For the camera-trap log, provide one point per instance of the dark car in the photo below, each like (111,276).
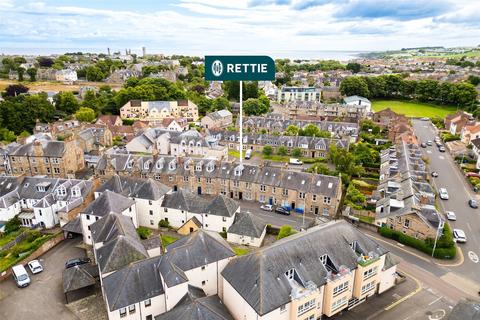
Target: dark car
(282,210)
(423,145)
(76,262)
(441,149)
(473,203)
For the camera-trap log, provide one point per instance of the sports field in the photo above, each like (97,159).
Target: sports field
(413,109)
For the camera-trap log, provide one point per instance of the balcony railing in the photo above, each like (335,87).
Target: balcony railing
(367,260)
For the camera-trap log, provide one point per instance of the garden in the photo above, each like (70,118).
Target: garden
(414,109)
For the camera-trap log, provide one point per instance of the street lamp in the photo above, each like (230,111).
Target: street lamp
(441,224)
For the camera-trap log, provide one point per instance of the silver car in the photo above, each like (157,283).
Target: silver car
(459,236)
(451,215)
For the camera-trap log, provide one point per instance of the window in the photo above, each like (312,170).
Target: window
(55,160)
(151,212)
(340,288)
(150,202)
(88,217)
(314,197)
(40,212)
(283,308)
(76,192)
(323,259)
(208,180)
(203,282)
(236,183)
(170,178)
(56,170)
(185,178)
(285,192)
(263,188)
(151,222)
(339,303)
(123,312)
(203,268)
(148,303)
(370,273)
(367,287)
(301,195)
(325,211)
(327,200)
(131,309)
(406,223)
(165,209)
(130,209)
(307,306)
(49,171)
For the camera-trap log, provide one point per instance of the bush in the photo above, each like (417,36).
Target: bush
(223,234)
(314,160)
(144,232)
(32,235)
(12,225)
(127,122)
(442,251)
(296,152)
(450,137)
(282,151)
(285,231)
(163,224)
(267,150)
(272,230)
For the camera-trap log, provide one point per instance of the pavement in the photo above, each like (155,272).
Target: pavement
(43,298)
(451,178)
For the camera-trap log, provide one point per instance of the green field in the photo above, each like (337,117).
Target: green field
(413,109)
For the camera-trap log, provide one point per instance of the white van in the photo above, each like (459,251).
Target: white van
(248,154)
(20,276)
(295,161)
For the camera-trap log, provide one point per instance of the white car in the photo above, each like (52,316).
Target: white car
(443,194)
(267,207)
(451,215)
(295,161)
(35,266)
(459,235)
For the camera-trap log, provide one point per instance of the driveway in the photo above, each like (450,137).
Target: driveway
(43,298)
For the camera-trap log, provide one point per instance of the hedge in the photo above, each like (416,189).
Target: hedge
(445,246)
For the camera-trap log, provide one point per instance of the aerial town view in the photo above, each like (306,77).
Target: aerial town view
(239,160)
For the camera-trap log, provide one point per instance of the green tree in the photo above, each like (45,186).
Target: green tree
(65,101)
(7,135)
(285,231)
(21,72)
(254,107)
(32,73)
(344,161)
(312,130)
(93,73)
(267,150)
(320,168)
(85,114)
(354,86)
(296,152)
(220,103)
(14,90)
(354,197)
(354,67)
(282,151)
(292,130)
(475,80)
(45,62)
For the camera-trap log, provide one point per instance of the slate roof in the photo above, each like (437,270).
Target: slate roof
(465,309)
(50,149)
(74,226)
(197,308)
(79,277)
(136,282)
(259,277)
(222,205)
(188,201)
(8,184)
(112,226)
(108,202)
(120,252)
(247,224)
(135,187)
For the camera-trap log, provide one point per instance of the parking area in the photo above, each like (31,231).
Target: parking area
(43,298)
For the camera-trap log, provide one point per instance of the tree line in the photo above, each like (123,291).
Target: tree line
(397,87)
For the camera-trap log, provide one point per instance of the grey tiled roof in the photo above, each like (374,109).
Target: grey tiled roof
(112,226)
(259,277)
(108,202)
(74,226)
(119,252)
(79,277)
(247,224)
(50,149)
(135,187)
(188,201)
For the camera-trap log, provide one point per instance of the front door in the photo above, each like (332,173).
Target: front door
(240,196)
(293,205)
(199,190)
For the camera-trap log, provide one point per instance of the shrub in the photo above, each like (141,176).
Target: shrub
(223,234)
(267,150)
(282,151)
(144,232)
(296,152)
(127,122)
(12,225)
(285,231)
(272,230)
(32,235)
(163,224)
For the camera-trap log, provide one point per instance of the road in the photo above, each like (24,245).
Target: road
(451,178)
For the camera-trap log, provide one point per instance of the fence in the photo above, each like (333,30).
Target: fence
(19,238)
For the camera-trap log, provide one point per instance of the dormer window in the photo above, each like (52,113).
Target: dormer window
(323,259)
(238,171)
(76,192)
(61,191)
(199,144)
(130,164)
(353,245)
(190,144)
(210,167)
(146,165)
(172,165)
(183,143)
(160,163)
(198,167)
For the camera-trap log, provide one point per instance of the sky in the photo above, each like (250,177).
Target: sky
(199,27)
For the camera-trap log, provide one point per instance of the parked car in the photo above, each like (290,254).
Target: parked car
(434,174)
(282,210)
(267,207)
(451,215)
(248,154)
(295,161)
(425,119)
(76,262)
(438,143)
(459,236)
(437,139)
(35,266)
(20,276)
(441,149)
(473,203)
(472,174)
(423,145)
(443,194)
(429,143)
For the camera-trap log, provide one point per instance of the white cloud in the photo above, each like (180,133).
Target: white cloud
(217,26)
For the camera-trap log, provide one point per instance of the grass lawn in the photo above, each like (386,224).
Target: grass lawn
(239,251)
(413,109)
(9,237)
(366,219)
(166,240)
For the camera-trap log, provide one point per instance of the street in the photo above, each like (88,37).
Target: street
(460,192)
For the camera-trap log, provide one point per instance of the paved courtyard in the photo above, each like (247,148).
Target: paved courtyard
(43,298)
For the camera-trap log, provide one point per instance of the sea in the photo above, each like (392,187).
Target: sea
(277,54)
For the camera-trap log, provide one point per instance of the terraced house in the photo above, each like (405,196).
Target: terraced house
(311,147)
(156,111)
(56,159)
(319,272)
(301,191)
(406,200)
